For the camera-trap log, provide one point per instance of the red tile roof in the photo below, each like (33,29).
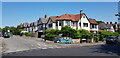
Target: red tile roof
(53,18)
(26,23)
(70,17)
(93,21)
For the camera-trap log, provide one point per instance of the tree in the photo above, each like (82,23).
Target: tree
(52,33)
(13,30)
(68,31)
(85,34)
(0,29)
(105,34)
(100,22)
(5,29)
(118,30)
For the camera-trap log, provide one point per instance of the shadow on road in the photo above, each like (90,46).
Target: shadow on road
(108,49)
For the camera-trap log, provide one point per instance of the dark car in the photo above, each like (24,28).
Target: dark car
(1,34)
(112,40)
(6,35)
(10,34)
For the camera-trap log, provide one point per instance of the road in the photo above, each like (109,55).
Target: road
(97,50)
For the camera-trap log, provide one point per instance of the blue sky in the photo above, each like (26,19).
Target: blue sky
(60,0)
(14,13)
(0,14)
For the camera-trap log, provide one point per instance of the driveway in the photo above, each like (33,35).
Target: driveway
(16,43)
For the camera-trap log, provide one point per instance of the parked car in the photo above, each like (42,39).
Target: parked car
(10,34)
(66,40)
(6,35)
(1,34)
(112,40)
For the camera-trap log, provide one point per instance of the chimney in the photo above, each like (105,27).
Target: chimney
(110,22)
(107,22)
(46,16)
(115,22)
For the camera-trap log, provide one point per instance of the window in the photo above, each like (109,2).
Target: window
(60,23)
(85,24)
(73,23)
(41,28)
(69,15)
(67,23)
(83,16)
(93,26)
(50,25)
(56,23)
(80,24)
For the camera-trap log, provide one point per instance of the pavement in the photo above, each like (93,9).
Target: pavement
(1,46)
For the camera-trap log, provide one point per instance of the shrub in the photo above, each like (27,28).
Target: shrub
(68,32)
(27,33)
(51,33)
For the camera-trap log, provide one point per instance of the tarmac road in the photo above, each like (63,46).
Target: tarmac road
(96,50)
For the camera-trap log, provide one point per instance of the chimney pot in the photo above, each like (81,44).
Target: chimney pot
(46,16)
(115,22)
(110,22)
(107,22)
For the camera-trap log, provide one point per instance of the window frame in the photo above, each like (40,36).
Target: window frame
(85,25)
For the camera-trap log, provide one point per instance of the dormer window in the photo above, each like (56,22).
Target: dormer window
(69,15)
(83,16)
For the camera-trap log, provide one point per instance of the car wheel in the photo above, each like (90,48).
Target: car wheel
(107,42)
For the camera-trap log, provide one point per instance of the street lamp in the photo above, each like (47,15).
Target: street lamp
(80,13)
(80,25)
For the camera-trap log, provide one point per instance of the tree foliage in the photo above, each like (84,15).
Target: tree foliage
(52,33)
(68,31)
(13,30)
(100,22)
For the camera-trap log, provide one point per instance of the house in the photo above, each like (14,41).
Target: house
(116,26)
(106,27)
(42,22)
(93,25)
(78,21)
(25,26)
(31,27)
(51,23)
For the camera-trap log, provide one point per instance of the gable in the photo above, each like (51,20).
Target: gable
(49,21)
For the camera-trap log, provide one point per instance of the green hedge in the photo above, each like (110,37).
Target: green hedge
(51,33)
(67,31)
(28,34)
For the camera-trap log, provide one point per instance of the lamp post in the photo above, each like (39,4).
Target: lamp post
(80,13)
(80,25)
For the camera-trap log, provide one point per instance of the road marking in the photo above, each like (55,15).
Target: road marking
(44,48)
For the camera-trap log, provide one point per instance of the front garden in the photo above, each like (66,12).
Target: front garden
(67,31)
